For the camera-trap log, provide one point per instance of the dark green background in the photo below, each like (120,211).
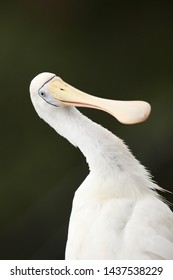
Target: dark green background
(113,49)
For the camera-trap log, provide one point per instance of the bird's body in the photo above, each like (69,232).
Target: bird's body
(116,213)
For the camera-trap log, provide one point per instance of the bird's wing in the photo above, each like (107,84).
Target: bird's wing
(150,230)
(120,229)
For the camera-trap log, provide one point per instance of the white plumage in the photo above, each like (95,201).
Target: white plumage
(116,212)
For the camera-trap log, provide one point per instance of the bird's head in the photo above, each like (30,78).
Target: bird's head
(48,89)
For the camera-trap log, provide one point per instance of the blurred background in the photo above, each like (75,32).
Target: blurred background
(112,49)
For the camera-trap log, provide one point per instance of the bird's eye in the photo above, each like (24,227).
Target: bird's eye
(42,93)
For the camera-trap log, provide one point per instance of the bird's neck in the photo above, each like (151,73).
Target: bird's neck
(101,148)
(109,159)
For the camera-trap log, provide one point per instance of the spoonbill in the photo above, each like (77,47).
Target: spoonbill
(117,212)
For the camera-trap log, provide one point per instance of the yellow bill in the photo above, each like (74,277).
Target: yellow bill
(55,91)
(128,112)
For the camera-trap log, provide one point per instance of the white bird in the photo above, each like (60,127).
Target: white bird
(117,212)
